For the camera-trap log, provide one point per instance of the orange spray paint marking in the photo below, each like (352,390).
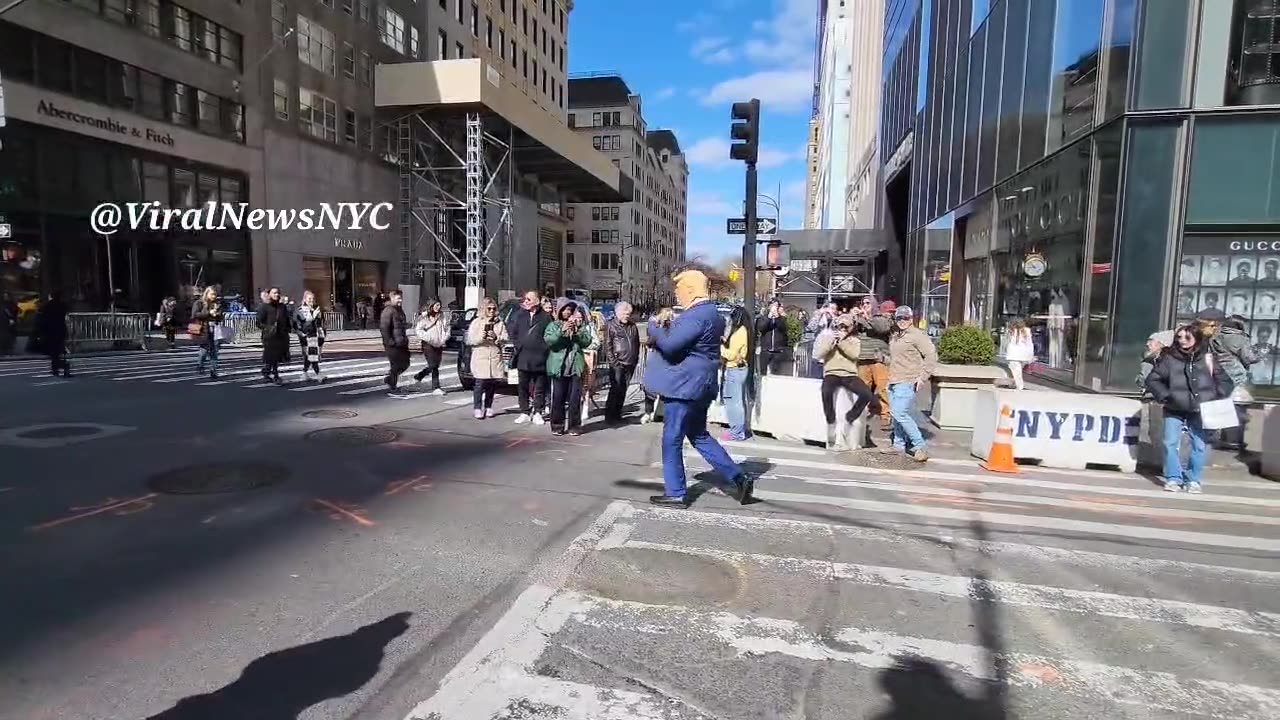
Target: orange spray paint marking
(129,507)
(1040,671)
(417,484)
(522,441)
(338,511)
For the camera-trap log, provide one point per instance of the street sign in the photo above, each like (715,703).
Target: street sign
(738,226)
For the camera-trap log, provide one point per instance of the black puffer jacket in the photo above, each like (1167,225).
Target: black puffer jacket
(1180,381)
(394,327)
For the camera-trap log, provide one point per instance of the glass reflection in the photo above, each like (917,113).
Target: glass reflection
(1118,48)
(1077,34)
(935,274)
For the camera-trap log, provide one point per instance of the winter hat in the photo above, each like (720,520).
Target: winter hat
(888,306)
(903,313)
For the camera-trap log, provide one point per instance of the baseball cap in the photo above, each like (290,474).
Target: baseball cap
(888,306)
(903,313)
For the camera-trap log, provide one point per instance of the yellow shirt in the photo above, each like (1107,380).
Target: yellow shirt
(735,355)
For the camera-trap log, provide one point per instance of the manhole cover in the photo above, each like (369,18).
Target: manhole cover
(354,436)
(211,478)
(329,414)
(62,431)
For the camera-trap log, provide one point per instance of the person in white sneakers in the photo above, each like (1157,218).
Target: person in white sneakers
(432,329)
(486,336)
(527,329)
(308,323)
(1021,350)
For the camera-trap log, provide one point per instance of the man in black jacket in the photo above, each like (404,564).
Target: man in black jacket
(622,350)
(527,328)
(395,338)
(771,333)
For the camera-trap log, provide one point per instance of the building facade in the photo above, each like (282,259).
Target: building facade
(627,250)
(1101,168)
(123,102)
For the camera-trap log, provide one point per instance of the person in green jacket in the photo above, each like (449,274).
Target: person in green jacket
(568,338)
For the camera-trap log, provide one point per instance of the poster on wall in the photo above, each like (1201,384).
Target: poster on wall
(1239,275)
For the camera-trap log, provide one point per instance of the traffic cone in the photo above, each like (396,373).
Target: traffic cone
(1000,458)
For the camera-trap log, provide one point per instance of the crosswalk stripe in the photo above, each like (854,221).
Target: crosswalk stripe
(882,650)
(1037,554)
(1021,482)
(1010,593)
(1086,527)
(382,387)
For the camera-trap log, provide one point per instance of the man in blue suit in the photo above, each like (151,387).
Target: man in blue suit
(683,369)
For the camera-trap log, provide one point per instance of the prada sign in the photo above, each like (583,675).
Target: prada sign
(47,108)
(348,244)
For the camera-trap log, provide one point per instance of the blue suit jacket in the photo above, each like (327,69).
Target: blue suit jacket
(684,361)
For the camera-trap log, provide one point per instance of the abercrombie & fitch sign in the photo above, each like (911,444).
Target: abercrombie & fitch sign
(107,124)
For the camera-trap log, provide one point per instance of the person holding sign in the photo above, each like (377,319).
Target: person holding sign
(1184,379)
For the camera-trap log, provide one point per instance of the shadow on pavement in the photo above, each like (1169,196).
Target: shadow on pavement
(282,684)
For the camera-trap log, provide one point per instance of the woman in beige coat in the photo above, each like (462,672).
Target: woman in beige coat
(486,336)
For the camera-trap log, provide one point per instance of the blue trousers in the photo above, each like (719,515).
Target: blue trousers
(688,419)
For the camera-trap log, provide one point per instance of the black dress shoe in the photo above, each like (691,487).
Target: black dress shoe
(743,489)
(668,501)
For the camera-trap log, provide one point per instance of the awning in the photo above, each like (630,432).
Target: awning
(544,145)
(835,243)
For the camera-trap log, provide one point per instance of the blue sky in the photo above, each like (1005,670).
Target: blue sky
(690,60)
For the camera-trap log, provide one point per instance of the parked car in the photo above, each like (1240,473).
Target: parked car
(458,327)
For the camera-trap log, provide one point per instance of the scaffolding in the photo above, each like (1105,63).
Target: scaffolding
(454,176)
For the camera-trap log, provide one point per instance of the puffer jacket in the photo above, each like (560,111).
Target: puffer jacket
(394,327)
(1180,381)
(1233,349)
(875,332)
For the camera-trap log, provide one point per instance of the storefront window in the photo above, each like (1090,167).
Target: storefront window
(1232,242)
(1038,253)
(1101,276)
(317,276)
(1144,236)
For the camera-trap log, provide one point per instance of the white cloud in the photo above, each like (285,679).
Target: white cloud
(786,38)
(713,152)
(778,90)
(703,203)
(664,94)
(713,50)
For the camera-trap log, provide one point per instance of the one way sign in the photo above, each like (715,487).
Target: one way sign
(738,226)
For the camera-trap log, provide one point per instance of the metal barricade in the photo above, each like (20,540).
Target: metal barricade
(334,321)
(241,327)
(107,331)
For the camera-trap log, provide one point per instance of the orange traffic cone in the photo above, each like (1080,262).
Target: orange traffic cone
(1000,458)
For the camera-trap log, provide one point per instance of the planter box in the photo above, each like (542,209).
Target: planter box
(956,390)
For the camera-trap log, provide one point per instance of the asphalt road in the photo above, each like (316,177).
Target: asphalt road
(454,569)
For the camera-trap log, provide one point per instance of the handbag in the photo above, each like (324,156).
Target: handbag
(195,328)
(1219,414)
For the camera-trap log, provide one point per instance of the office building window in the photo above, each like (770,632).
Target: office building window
(349,126)
(366,68)
(365,15)
(475,20)
(502,43)
(524,59)
(348,7)
(279,19)
(488,32)
(414,49)
(348,60)
(364,129)
(442,45)
(524,19)
(318,115)
(316,46)
(462,50)
(391,29)
(458,14)
(282,99)
(513,55)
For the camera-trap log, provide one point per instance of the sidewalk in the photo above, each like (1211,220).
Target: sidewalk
(156,342)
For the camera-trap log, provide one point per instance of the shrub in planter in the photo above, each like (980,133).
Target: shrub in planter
(795,330)
(966,345)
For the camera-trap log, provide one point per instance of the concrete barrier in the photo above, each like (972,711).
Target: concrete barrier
(1061,429)
(790,408)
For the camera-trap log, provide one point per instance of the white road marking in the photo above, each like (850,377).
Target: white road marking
(403,384)
(255,368)
(753,637)
(1151,493)
(1179,537)
(1086,602)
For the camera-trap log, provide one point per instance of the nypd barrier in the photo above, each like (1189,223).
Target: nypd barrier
(1060,429)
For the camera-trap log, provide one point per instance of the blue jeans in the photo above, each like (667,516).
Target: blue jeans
(734,397)
(1173,427)
(902,398)
(688,419)
(209,354)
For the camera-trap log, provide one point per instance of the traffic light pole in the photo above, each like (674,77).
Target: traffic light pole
(749,274)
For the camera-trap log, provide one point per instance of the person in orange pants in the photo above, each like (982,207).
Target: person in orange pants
(874,325)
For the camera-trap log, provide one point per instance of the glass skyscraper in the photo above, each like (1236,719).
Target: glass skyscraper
(1100,168)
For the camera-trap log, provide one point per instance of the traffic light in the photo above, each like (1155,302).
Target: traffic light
(777,256)
(745,131)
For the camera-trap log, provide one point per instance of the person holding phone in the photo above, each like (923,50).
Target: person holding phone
(568,340)
(486,335)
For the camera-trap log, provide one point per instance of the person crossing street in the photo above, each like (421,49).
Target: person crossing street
(395,339)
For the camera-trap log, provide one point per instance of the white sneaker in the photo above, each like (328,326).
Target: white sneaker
(480,414)
(438,391)
(320,378)
(524,418)
(488,412)
(646,418)
(306,374)
(537,419)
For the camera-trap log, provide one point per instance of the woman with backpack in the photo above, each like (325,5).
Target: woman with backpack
(432,329)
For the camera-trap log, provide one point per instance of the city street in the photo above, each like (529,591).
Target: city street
(182,548)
